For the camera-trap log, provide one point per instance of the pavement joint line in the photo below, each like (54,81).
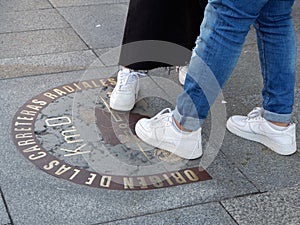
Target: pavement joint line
(50,3)
(235,165)
(96,4)
(55,73)
(47,54)
(98,56)
(153,213)
(167,94)
(57,53)
(228,213)
(40,75)
(250,194)
(46,74)
(42,29)
(78,35)
(163,211)
(6,207)
(26,10)
(81,38)
(29,10)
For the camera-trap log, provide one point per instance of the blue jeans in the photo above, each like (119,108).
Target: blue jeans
(218,47)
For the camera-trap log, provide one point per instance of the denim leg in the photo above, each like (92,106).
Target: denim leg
(276,41)
(218,47)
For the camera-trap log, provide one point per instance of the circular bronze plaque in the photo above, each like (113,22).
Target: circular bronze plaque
(71,133)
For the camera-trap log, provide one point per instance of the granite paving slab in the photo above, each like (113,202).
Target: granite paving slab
(44,199)
(39,42)
(100,26)
(251,37)
(277,207)
(296,14)
(68,3)
(109,56)
(31,20)
(264,168)
(17,5)
(298,66)
(206,214)
(48,63)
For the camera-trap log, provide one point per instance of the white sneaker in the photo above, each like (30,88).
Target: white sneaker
(254,127)
(126,91)
(161,132)
(182,70)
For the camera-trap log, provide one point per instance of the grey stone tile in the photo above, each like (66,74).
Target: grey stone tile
(109,56)
(17,5)
(39,42)
(100,26)
(296,13)
(4,219)
(276,208)
(31,20)
(102,51)
(298,61)
(57,201)
(264,168)
(251,37)
(67,3)
(60,202)
(207,214)
(49,63)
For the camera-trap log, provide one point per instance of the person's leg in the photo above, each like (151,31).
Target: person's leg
(172,21)
(270,125)
(222,34)
(223,31)
(276,41)
(148,25)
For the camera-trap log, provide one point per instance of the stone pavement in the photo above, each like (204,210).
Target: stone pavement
(54,163)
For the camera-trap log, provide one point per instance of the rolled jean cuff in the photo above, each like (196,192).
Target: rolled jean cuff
(188,123)
(275,117)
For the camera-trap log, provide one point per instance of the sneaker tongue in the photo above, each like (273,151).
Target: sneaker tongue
(127,79)
(255,113)
(131,79)
(127,82)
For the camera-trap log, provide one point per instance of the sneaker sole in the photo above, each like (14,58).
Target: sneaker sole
(123,108)
(140,134)
(278,148)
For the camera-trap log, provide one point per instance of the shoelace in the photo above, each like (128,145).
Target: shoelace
(129,78)
(168,110)
(255,113)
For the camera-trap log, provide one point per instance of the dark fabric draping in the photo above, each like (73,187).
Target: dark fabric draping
(175,21)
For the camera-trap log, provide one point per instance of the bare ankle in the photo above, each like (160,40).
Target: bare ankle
(180,127)
(280,124)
